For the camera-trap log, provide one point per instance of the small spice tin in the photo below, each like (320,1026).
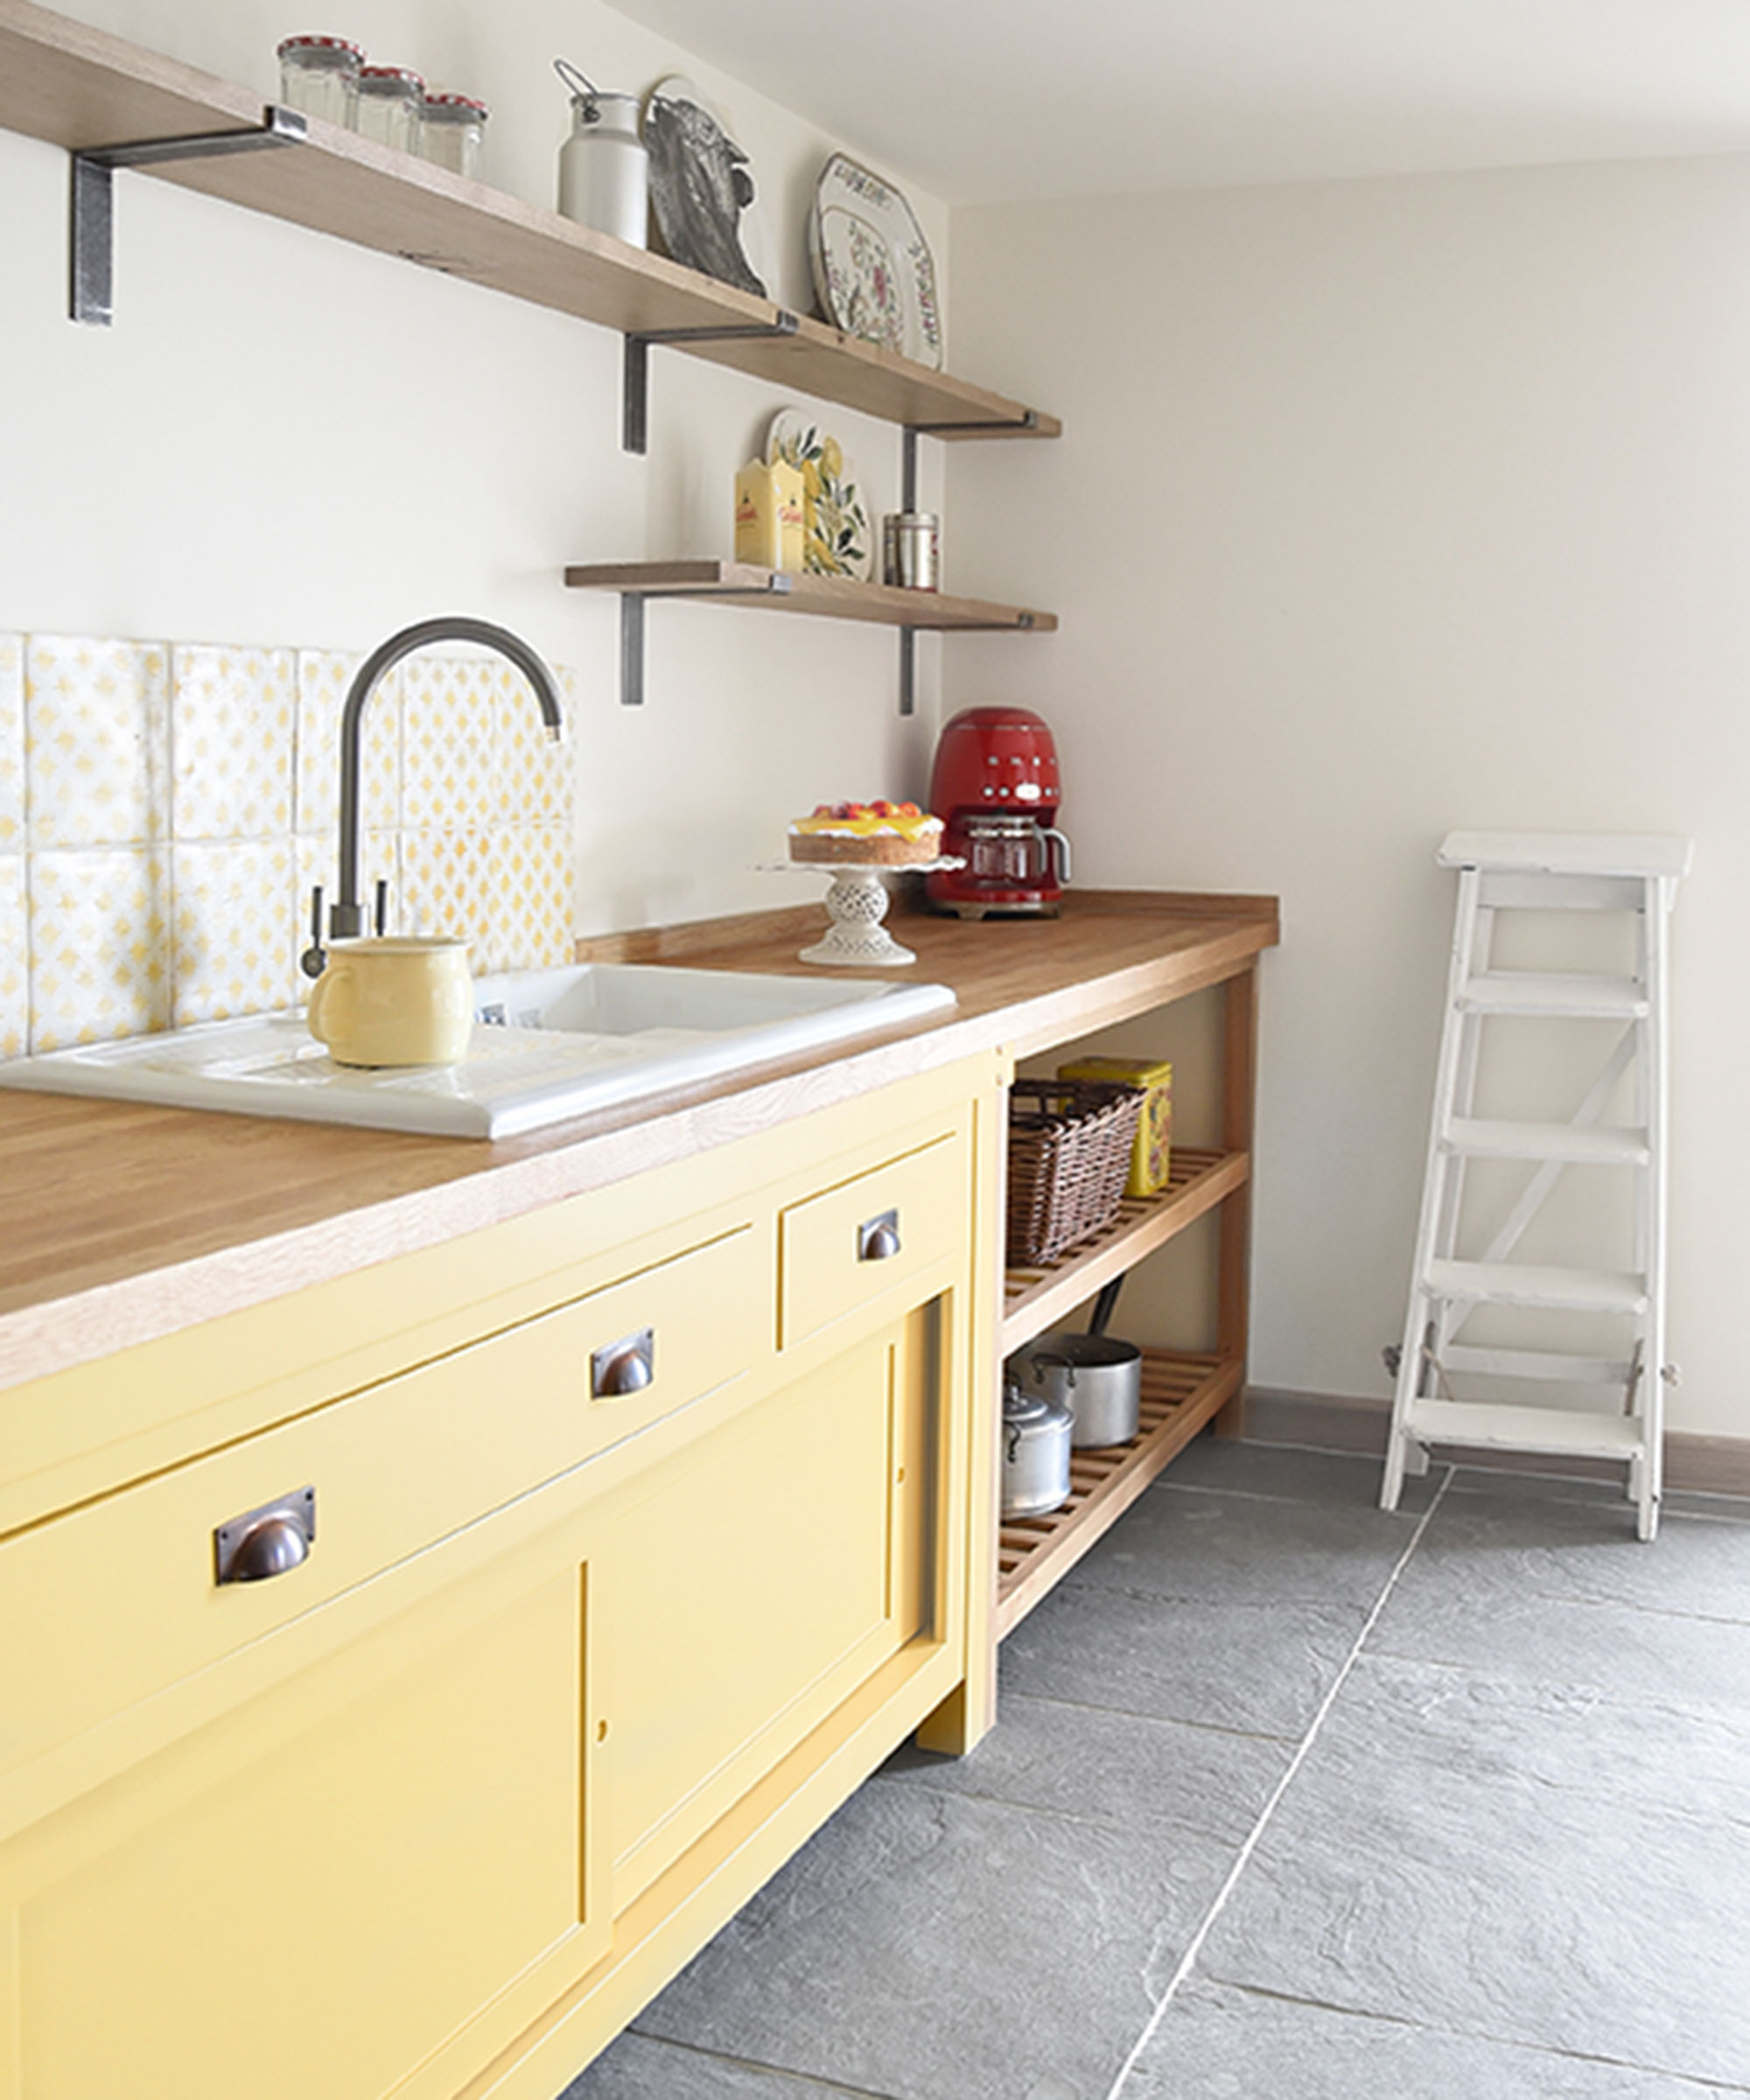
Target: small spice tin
(911,549)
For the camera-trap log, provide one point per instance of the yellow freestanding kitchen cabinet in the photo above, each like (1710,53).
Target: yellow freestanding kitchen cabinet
(631,1489)
(640,1536)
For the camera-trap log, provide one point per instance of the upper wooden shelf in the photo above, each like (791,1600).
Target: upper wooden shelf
(832,597)
(83,89)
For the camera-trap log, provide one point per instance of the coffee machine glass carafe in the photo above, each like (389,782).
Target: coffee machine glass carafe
(1011,850)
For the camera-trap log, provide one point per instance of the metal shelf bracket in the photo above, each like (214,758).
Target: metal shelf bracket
(90,292)
(908,500)
(632,604)
(635,391)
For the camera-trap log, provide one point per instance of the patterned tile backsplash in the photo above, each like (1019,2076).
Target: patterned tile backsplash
(165,810)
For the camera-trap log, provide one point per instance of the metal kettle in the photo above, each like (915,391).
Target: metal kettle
(1036,1434)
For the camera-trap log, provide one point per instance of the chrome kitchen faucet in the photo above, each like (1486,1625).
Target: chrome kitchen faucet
(346,914)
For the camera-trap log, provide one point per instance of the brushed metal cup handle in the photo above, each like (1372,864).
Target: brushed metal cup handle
(622,1367)
(877,1239)
(267,1541)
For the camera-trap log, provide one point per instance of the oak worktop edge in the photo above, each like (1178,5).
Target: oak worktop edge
(192,1216)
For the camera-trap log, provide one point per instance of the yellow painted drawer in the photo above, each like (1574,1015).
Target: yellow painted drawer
(869,1236)
(110,1604)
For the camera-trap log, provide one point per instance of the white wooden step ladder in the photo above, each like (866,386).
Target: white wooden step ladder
(1485,1329)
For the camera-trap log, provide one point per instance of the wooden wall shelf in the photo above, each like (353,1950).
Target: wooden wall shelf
(828,596)
(773,590)
(82,88)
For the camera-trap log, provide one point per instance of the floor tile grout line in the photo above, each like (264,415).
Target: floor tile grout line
(1187,1960)
(754,2063)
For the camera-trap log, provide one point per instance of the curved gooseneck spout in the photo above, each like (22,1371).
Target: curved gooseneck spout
(347,917)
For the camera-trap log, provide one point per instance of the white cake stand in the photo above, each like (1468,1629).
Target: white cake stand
(856,905)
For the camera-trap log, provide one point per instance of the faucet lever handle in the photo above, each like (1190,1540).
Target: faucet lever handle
(380,918)
(314,960)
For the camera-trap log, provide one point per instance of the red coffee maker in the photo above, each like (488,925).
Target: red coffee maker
(995,787)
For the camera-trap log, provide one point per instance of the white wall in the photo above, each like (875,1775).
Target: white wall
(1385,508)
(286,440)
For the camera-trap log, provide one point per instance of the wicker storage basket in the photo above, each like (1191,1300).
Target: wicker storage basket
(1069,1152)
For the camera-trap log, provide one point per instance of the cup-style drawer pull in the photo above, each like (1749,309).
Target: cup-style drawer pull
(877,1239)
(622,1367)
(266,1542)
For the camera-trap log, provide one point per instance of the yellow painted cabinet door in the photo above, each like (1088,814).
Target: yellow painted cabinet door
(760,1582)
(330,1891)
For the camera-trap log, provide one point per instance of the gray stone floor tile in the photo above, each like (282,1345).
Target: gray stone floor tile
(1583,1553)
(1124,1768)
(1290,1473)
(1227,1548)
(1622,1651)
(1481,1856)
(1258,1668)
(1522,1485)
(1220,2044)
(638,2068)
(934,1947)
(1552,1590)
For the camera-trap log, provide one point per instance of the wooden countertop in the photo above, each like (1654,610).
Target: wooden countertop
(123,1223)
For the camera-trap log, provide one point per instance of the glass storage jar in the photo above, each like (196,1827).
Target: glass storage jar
(319,75)
(450,132)
(391,99)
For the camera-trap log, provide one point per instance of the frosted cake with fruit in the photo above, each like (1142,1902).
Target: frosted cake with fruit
(895,835)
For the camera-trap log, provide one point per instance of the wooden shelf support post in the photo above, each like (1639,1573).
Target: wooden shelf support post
(1239,1093)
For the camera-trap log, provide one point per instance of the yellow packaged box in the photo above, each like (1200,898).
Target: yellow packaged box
(1152,1154)
(770,526)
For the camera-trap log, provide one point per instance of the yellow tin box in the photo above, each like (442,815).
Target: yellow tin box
(1152,1153)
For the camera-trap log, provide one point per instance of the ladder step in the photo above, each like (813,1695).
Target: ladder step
(1463,1357)
(1573,1144)
(1521,1283)
(1556,1430)
(1567,853)
(1558,994)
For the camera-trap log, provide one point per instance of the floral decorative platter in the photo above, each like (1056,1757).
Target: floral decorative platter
(873,272)
(836,519)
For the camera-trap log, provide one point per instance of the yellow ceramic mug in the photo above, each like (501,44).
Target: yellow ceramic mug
(405,1000)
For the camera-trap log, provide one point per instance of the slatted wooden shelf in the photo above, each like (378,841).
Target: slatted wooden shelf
(81,88)
(1041,1298)
(830,597)
(1180,1393)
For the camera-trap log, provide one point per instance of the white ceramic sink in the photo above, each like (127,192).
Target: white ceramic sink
(547,1044)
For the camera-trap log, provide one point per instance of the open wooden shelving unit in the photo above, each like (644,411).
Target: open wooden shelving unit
(1180,1393)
